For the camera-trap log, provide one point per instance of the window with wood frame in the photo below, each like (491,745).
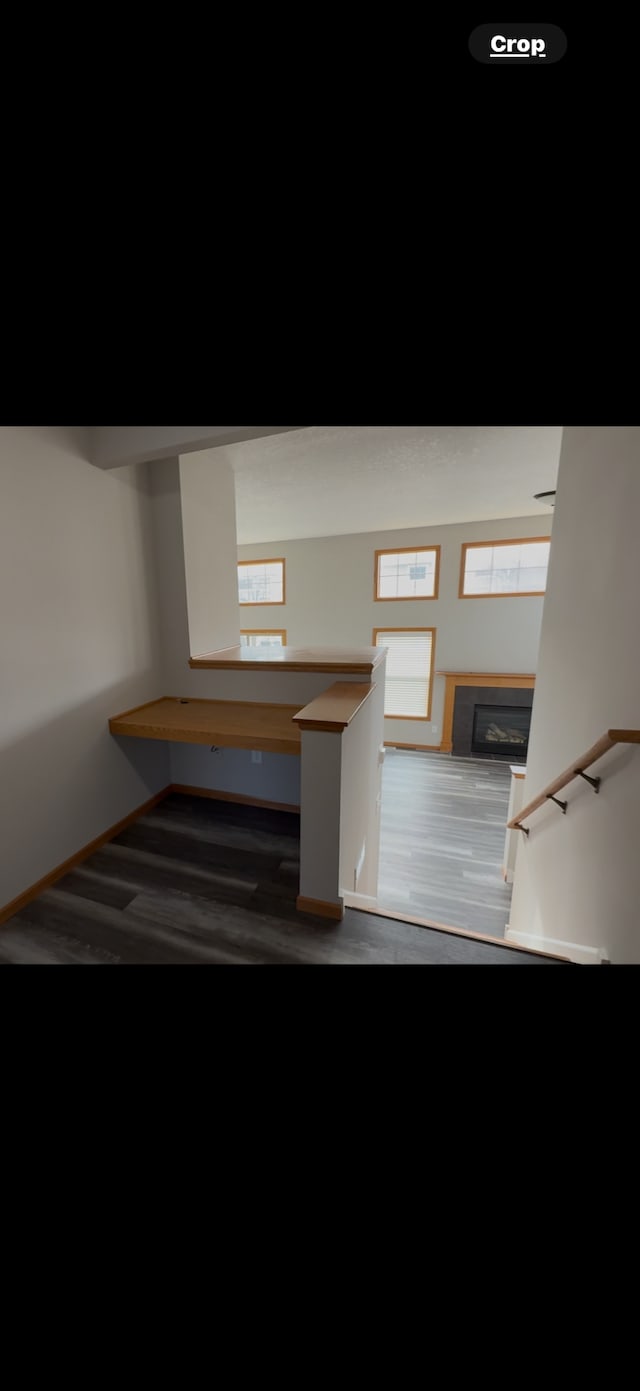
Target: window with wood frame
(409,573)
(263,637)
(409,678)
(261,582)
(495,569)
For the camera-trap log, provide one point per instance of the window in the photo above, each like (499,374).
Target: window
(263,637)
(490,569)
(407,694)
(261,582)
(407,573)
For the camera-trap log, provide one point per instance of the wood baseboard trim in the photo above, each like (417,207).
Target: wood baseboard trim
(320,907)
(427,748)
(10,909)
(454,931)
(232,797)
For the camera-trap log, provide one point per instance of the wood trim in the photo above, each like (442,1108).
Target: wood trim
(406,598)
(218,796)
(135,708)
(320,907)
(336,707)
(265,633)
(454,931)
(389,629)
(512,593)
(473,678)
(362,661)
(268,603)
(322,725)
(45,883)
(487,677)
(229,724)
(428,748)
(602,745)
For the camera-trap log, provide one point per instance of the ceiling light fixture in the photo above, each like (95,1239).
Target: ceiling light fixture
(549,498)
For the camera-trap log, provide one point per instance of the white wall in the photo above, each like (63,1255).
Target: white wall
(360,797)
(112,446)
(277,777)
(577,877)
(79,642)
(330,600)
(209,531)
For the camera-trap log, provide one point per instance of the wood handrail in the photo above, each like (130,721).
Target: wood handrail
(580,765)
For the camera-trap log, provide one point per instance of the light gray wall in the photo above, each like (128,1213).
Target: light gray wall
(577,877)
(330,600)
(277,777)
(320,824)
(112,446)
(79,642)
(361,789)
(209,531)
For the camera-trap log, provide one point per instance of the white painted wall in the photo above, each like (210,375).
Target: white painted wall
(277,777)
(79,642)
(209,532)
(330,600)
(112,446)
(577,877)
(321,766)
(362,758)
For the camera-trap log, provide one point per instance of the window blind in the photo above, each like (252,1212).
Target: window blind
(407,693)
(259,639)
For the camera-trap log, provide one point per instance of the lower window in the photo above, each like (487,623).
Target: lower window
(407,692)
(263,637)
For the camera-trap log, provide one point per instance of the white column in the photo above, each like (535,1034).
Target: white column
(320,787)
(516,801)
(207,492)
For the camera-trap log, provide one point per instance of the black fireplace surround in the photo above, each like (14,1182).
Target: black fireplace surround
(491,722)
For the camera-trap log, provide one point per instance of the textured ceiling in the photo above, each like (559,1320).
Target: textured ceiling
(333,480)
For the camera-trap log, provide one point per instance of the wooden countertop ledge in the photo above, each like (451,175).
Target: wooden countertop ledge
(336,707)
(362,660)
(231,724)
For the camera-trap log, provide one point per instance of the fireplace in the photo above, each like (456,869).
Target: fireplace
(491,722)
(500,730)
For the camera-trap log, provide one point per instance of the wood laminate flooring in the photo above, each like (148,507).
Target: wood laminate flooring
(442,837)
(199,881)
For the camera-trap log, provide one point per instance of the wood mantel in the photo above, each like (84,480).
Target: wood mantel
(517,680)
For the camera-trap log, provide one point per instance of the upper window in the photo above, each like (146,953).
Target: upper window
(409,678)
(263,637)
(261,581)
(491,569)
(407,573)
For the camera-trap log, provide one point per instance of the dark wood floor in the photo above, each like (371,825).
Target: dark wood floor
(199,881)
(442,840)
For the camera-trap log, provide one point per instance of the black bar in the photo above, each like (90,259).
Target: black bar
(562,805)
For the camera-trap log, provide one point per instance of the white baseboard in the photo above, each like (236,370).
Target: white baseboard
(354,900)
(574,951)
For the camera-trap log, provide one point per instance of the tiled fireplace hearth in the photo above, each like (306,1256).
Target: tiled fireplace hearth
(473,702)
